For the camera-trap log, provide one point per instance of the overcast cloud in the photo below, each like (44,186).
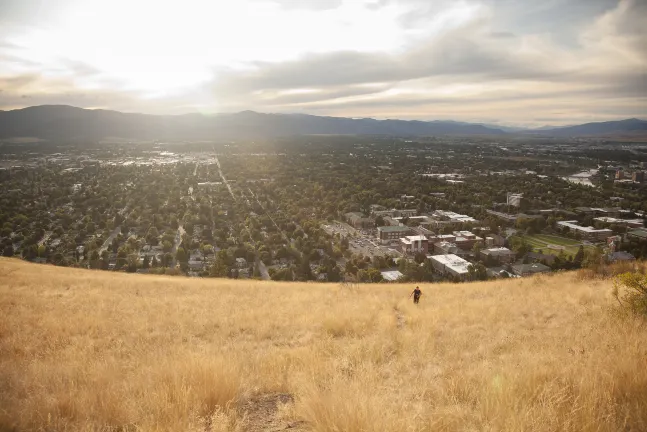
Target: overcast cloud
(499,61)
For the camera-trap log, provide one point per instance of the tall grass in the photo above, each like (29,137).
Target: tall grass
(97,351)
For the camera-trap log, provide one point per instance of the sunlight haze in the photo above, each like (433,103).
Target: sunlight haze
(554,62)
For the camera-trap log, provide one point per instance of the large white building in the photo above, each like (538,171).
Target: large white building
(449,264)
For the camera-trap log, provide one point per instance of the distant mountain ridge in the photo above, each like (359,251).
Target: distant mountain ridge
(600,128)
(59,122)
(62,122)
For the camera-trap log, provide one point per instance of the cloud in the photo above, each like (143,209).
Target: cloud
(471,59)
(606,65)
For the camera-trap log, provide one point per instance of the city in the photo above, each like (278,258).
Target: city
(353,209)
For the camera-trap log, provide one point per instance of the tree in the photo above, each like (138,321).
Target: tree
(285,274)
(420,258)
(579,256)
(371,275)
(133,262)
(304,272)
(166,246)
(154,262)
(477,248)
(477,272)
(181,255)
(221,265)
(350,268)
(146,263)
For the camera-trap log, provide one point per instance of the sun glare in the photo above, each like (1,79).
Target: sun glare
(164,47)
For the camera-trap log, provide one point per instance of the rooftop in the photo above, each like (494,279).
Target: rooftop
(411,239)
(642,233)
(394,229)
(497,251)
(621,256)
(531,268)
(392,275)
(451,261)
(574,225)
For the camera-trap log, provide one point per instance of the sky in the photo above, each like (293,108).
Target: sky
(508,62)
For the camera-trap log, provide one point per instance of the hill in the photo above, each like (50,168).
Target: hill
(611,128)
(55,122)
(87,350)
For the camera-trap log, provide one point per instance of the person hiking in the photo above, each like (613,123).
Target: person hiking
(416,293)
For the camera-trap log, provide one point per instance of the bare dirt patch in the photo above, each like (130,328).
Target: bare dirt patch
(261,414)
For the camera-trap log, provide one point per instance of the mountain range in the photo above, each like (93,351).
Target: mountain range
(60,122)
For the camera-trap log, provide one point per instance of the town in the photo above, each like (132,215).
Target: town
(326,208)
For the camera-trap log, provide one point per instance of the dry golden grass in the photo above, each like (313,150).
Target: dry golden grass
(97,351)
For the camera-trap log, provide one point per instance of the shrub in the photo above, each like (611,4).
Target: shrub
(634,296)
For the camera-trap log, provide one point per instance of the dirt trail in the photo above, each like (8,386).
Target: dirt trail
(399,316)
(261,414)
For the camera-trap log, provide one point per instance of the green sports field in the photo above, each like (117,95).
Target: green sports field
(540,242)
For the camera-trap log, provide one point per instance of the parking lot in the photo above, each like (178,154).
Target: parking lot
(361,242)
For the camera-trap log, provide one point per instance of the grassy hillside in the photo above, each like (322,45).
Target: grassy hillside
(97,351)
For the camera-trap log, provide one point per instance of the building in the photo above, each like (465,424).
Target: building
(529,269)
(620,174)
(419,219)
(196,265)
(504,216)
(466,240)
(584,210)
(390,221)
(638,176)
(638,234)
(389,233)
(620,256)
(449,265)
(391,275)
(547,259)
(421,230)
(208,185)
(445,248)
(586,232)
(449,216)
(359,221)
(631,223)
(494,240)
(442,238)
(498,255)
(514,199)
(393,212)
(412,245)
(499,272)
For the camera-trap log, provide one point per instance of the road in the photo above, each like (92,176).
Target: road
(176,244)
(265,275)
(222,176)
(261,267)
(106,244)
(285,237)
(46,237)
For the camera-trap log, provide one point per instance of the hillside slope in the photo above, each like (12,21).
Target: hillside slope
(84,350)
